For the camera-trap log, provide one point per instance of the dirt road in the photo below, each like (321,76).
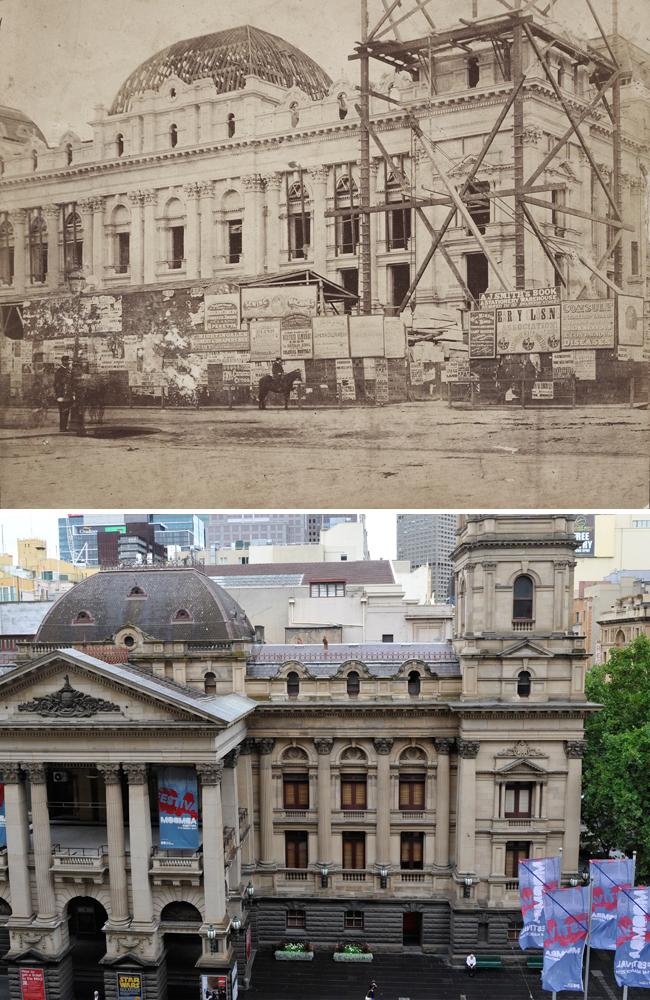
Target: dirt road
(408,455)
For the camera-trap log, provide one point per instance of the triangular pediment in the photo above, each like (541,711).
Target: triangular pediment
(520,766)
(524,648)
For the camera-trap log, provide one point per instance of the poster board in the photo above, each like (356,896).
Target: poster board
(563,365)
(220,340)
(276,301)
(394,337)
(542,390)
(32,984)
(629,320)
(129,986)
(416,372)
(366,336)
(331,339)
(548,295)
(381,380)
(584,364)
(296,337)
(266,339)
(528,329)
(457,370)
(588,324)
(221,313)
(482,333)
(345,378)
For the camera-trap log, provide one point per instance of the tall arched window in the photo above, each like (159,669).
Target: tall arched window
(175,225)
(522,599)
(231,125)
(414,683)
(68,153)
(353,684)
(121,219)
(620,638)
(233,216)
(73,242)
(34,160)
(210,683)
(343,105)
(398,220)
(173,135)
(299,220)
(473,72)
(119,144)
(523,684)
(293,684)
(37,235)
(6,250)
(346,226)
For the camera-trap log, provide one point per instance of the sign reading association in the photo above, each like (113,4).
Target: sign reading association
(520,297)
(528,329)
(178,808)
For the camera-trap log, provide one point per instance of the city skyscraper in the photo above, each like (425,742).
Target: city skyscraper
(223,530)
(428,538)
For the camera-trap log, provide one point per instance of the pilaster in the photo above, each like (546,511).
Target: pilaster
(140,843)
(383,747)
(17,832)
(324,804)
(253,235)
(207,243)
(318,177)
(18,219)
(444,747)
(98,239)
(149,238)
(245,792)
(265,749)
(136,248)
(192,250)
(119,915)
(230,799)
(210,775)
(52,215)
(466,806)
(273,184)
(574,751)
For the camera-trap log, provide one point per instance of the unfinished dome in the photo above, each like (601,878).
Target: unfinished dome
(16,127)
(228,57)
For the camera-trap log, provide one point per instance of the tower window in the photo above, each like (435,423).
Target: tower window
(231,125)
(522,599)
(119,144)
(523,684)
(68,153)
(473,72)
(173,135)
(414,684)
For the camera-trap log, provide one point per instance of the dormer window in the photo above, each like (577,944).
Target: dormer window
(182,615)
(172,92)
(293,684)
(68,153)
(173,135)
(83,618)
(119,144)
(414,684)
(353,684)
(137,592)
(231,125)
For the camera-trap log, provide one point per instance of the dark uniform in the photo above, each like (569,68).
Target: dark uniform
(277,368)
(63,390)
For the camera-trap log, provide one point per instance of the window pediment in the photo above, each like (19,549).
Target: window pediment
(524,649)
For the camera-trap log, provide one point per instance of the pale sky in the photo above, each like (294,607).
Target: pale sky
(60,58)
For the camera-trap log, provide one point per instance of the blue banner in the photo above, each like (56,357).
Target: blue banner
(3,818)
(536,876)
(608,878)
(632,958)
(566,916)
(178,808)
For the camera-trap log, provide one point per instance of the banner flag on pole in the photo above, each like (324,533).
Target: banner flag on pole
(632,958)
(3,818)
(536,876)
(608,877)
(178,808)
(566,916)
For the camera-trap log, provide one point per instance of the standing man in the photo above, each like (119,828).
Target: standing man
(63,390)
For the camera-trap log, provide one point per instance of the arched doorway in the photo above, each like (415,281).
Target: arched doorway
(86,919)
(180,922)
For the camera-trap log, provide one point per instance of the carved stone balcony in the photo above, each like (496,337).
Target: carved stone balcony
(79,864)
(172,866)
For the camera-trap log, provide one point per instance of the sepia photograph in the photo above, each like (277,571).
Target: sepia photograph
(390,253)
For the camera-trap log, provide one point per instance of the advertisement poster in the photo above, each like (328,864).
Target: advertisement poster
(214,987)
(563,365)
(585,530)
(221,312)
(646,330)
(458,371)
(394,337)
(520,297)
(370,369)
(331,337)
(129,986)
(416,372)
(178,806)
(630,320)
(266,339)
(367,336)
(588,323)
(584,363)
(345,378)
(542,390)
(296,337)
(236,374)
(528,329)
(271,302)
(381,383)
(220,340)
(482,334)
(32,984)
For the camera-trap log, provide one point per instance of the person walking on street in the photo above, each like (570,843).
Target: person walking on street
(372,992)
(63,391)
(470,963)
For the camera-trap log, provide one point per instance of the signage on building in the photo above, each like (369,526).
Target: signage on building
(563,365)
(236,375)
(457,370)
(296,337)
(32,984)
(129,986)
(584,363)
(588,323)
(367,336)
(178,808)
(630,320)
(482,333)
(381,380)
(416,372)
(215,987)
(277,301)
(528,329)
(542,390)
(221,312)
(520,297)
(585,530)
(266,339)
(331,337)
(394,337)
(345,378)
(220,340)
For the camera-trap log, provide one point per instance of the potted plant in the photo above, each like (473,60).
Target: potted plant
(294,951)
(357,952)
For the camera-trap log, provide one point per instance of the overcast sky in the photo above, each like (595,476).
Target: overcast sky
(60,58)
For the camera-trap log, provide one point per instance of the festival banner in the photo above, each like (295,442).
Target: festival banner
(566,920)
(178,808)
(3,818)
(266,339)
(632,958)
(608,877)
(331,337)
(367,336)
(536,876)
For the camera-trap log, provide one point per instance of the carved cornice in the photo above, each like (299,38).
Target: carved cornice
(98,203)
(136,197)
(444,744)
(520,749)
(273,182)
(150,196)
(191,190)
(265,746)
(575,748)
(86,204)
(111,773)
(323,745)
(68,702)
(230,760)
(210,774)
(37,773)
(10,773)
(137,774)
(252,182)
(468,749)
(383,745)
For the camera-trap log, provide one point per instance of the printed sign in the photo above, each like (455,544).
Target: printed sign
(563,365)
(261,302)
(221,313)
(585,530)
(257,370)
(482,333)
(630,320)
(520,297)
(367,336)
(331,337)
(296,337)
(214,987)
(236,375)
(542,390)
(416,372)
(584,363)
(394,338)
(266,339)
(458,371)
(588,323)
(178,808)
(129,986)
(381,380)
(220,340)
(528,329)
(345,378)
(32,984)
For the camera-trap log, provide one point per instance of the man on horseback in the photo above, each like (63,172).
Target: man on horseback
(277,368)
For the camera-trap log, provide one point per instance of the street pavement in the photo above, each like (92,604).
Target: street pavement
(404,455)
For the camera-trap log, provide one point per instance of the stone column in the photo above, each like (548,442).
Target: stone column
(17,831)
(470,620)
(214,882)
(443,746)
(231,814)
(245,793)
(265,748)
(140,842)
(42,842)
(86,212)
(136,245)
(253,223)
(574,751)
(319,223)
(191,192)
(52,215)
(206,195)
(383,748)
(466,806)
(115,833)
(149,240)
(17,219)
(98,239)
(489,569)
(324,804)
(273,184)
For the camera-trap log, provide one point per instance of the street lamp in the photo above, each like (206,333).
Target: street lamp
(573,882)
(467,887)
(383,877)
(212,938)
(235,924)
(324,875)
(250,892)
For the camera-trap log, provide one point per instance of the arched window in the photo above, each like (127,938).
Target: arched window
(398,220)
(34,160)
(182,615)
(233,214)
(210,683)
(523,683)
(343,105)
(175,223)
(137,592)
(346,195)
(473,72)
(6,250)
(295,113)
(414,683)
(230,121)
(173,135)
(83,618)
(620,638)
(522,599)
(73,242)
(119,144)
(353,684)
(293,684)
(299,220)
(121,219)
(37,247)
(68,153)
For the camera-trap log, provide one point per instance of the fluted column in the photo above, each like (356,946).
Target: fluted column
(466,806)
(140,842)
(560,601)
(214,883)
(98,238)
(136,244)
(115,836)
(42,842)
(17,219)
(52,214)
(319,226)
(443,746)
(191,192)
(273,184)
(383,748)
(265,748)
(253,235)
(574,751)
(17,832)
(149,238)
(230,800)
(324,804)
(206,195)
(245,792)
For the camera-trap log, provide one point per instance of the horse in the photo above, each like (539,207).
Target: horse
(281,385)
